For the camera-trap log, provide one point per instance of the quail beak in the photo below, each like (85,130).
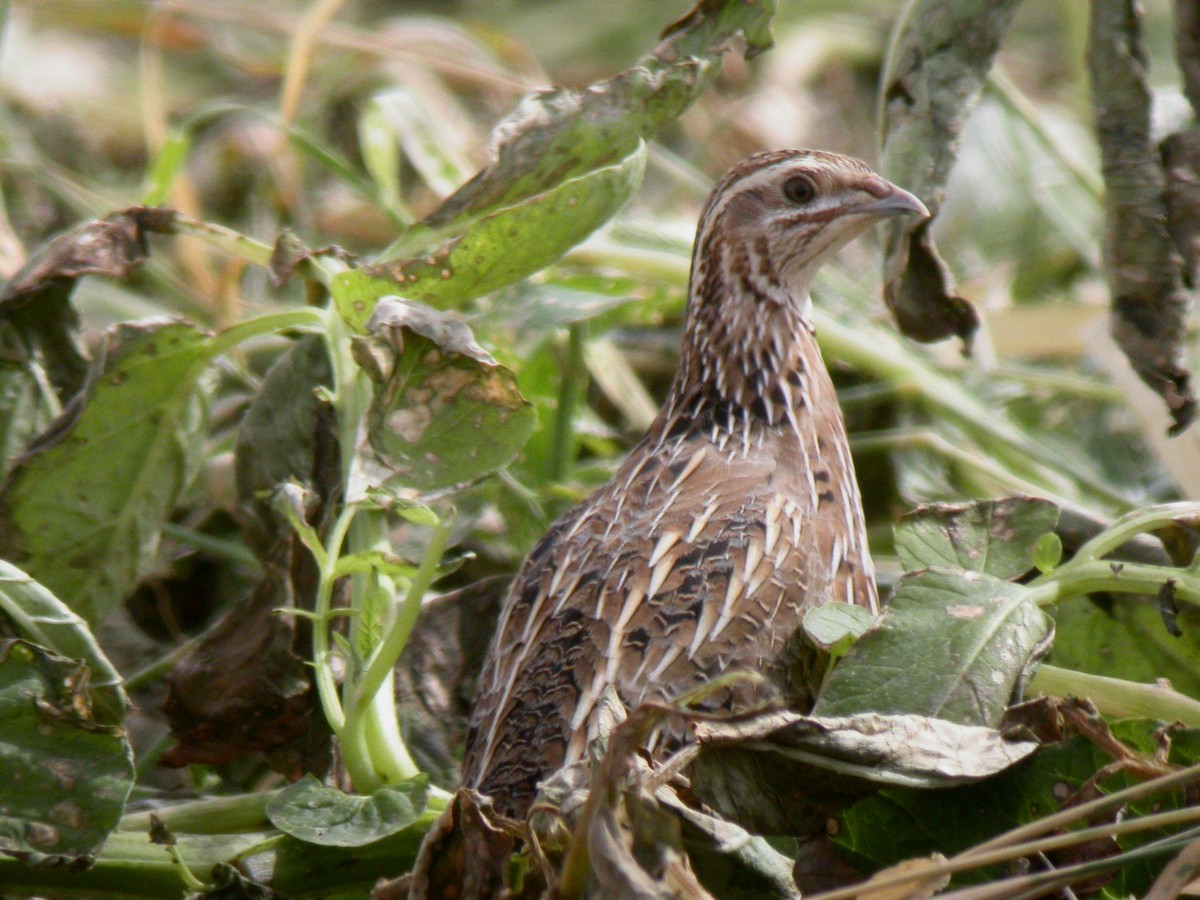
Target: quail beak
(892,201)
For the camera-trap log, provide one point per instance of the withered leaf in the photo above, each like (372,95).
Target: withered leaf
(932,79)
(36,300)
(243,687)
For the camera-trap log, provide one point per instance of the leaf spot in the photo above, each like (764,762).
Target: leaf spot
(410,423)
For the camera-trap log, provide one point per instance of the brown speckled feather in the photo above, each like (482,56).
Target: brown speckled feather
(736,512)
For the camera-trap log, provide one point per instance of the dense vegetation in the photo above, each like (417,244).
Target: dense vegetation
(314,315)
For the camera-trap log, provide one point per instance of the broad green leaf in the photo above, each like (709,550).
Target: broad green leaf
(1126,639)
(564,133)
(951,645)
(66,776)
(41,618)
(82,514)
(319,814)
(498,249)
(444,412)
(835,627)
(992,536)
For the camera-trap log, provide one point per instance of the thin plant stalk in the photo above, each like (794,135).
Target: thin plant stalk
(570,394)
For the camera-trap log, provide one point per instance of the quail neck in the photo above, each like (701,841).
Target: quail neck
(737,512)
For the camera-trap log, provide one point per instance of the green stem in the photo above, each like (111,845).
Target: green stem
(1117,697)
(130,866)
(372,729)
(216,815)
(1128,527)
(304,317)
(190,881)
(383,660)
(982,473)
(970,860)
(316,268)
(570,394)
(1091,576)
(327,688)
(373,748)
(232,242)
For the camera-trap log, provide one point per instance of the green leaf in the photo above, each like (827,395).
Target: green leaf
(835,627)
(319,814)
(1047,552)
(167,165)
(499,248)
(444,412)
(41,618)
(1125,638)
(529,310)
(564,133)
(66,776)
(334,163)
(82,514)
(953,645)
(992,536)
(380,154)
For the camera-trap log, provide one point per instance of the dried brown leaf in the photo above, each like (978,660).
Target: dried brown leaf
(934,72)
(463,855)
(1149,306)
(244,687)
(36,300)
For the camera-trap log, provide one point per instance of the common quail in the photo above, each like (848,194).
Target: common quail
(735,513)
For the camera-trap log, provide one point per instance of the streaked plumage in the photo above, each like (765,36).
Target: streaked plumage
(735,513)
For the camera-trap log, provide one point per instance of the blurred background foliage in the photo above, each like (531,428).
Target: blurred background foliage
(214,108)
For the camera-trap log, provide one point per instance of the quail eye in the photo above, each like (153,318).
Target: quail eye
(799,189)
